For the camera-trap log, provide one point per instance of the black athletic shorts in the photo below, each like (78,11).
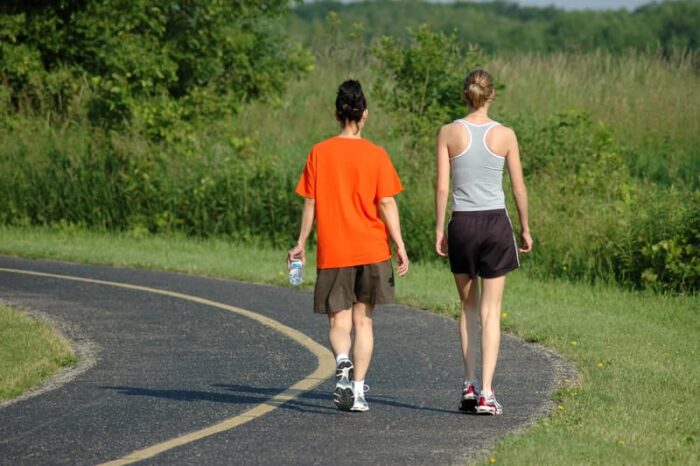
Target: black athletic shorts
(481,243)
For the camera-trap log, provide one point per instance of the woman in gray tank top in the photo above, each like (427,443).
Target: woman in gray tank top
(472,152)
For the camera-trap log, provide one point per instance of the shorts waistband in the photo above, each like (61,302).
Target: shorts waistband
(478,213)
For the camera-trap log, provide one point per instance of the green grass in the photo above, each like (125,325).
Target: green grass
(637,353)
(30,352)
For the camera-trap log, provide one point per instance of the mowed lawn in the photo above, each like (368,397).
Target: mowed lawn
(636,400)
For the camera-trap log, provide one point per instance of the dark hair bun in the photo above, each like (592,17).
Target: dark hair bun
(350,103)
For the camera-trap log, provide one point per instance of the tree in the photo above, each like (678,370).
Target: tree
(154,60)
(421,82)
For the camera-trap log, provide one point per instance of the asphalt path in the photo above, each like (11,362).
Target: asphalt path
(165,366)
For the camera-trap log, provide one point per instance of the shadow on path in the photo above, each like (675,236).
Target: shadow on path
(305,401)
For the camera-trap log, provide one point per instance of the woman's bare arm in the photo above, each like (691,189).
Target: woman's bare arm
(307,223)
(517,182)
(390,215)
(442,190)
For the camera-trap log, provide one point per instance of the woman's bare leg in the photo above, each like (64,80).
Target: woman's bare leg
(364,339)
(340,325)
(468,332)
(490,308)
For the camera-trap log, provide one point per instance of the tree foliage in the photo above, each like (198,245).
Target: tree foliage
(421,82)
(504,26)
(155,61)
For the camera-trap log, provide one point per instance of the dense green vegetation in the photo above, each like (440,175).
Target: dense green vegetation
(143,64)
(30,352)
(117,114)
(609,140)
(505,27)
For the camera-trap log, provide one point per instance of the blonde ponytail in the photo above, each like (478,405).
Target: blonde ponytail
(478,88)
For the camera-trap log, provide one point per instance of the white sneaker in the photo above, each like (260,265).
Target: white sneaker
(360,404)
(342,395)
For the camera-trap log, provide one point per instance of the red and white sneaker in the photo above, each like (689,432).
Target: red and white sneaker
(487,404)
(470,395)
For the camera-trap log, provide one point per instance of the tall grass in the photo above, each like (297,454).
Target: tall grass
(84,176)
(601,189)
(650,102)
(609,145)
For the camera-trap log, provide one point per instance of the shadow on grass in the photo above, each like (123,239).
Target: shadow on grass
(314,401)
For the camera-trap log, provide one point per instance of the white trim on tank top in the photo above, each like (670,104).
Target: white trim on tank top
(487,146)
(466,124)
(477,124)
(469,146)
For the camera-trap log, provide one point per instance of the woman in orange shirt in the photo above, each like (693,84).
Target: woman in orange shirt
(349,185)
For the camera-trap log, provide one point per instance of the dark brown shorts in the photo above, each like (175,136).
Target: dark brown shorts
(481,243)
(337,289)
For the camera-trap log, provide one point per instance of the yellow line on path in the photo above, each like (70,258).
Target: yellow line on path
(326,366)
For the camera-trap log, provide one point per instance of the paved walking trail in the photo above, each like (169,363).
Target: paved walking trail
(244,371)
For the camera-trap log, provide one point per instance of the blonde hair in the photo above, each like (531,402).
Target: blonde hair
(478,88)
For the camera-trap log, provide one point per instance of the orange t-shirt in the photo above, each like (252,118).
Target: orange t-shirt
(347,177)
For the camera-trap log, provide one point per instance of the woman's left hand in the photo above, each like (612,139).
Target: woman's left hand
(525,242)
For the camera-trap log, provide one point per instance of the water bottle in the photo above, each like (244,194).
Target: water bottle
(295,267)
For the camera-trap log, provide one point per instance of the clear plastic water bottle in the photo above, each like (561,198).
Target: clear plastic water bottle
(295,267)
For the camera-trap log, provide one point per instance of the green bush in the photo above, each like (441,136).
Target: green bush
(420,83)
(153,62)
(593,220)
(666,246)
(111,181)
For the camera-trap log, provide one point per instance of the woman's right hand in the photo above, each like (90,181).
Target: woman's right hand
(441,243)
(296,253)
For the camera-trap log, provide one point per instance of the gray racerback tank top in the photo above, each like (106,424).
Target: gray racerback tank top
(477,173)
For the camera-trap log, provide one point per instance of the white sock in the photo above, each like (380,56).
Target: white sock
(341,357)
(358,386)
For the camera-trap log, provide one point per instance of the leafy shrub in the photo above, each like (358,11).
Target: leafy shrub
(105,180)
(667,245)
(156,62)
(592,220)
(421,83)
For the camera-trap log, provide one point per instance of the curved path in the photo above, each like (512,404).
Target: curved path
(242,370)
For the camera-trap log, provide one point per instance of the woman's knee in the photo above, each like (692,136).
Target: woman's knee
(470,308)
(490,314)
(341,320)
(362,317)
